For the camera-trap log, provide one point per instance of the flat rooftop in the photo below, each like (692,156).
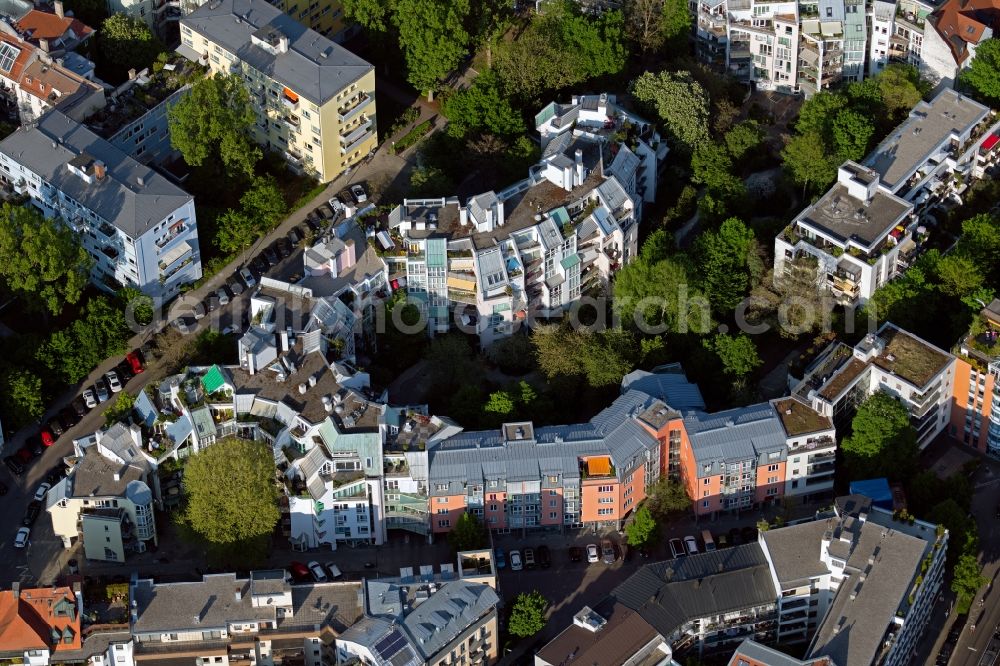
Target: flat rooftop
(842,217)
(929,126)
(624,634)
(909,357)
(799,418)
(147,92)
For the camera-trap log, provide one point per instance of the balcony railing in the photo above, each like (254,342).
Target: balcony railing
(354,107)
(350,136)
(357,142)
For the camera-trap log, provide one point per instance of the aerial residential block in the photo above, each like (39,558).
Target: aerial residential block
(314,100)
(138,227)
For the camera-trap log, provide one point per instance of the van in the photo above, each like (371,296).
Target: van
(706,537)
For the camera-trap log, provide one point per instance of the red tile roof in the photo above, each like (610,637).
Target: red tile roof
(32,618)
(963,22)
(23,57)
(43,25)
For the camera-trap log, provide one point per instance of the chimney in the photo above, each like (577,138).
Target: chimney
(118,476)
(140,180)
(43,44)
(99,170)
(578,180)
(58,8)
(15,589)
(238,594)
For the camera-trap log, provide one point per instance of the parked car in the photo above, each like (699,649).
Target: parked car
(299,571)
(198,311)
(223,295)
(575,554)
(676,548)
(68,417)
(148,352)
(183,324)
(593,555)
(313,222)
(608,551)
(14,465)
(333,570)
(259,265)
(113,382)
(516,563)
(544,557)
(337,206)
(318,574)
(722,541)
(691,545)
(235,286)
(283,248)
(79,405)
(358,192)
(31,513)
(101,388)
(48,439)
(40,491)
(500,558)
(132,358)
(32,448)
(124,371)
(270,255)
(294,237)
(248,279)
(529,558)
(89,398)
(21,538)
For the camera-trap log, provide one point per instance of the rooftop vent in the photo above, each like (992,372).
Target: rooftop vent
(302,388)
(588,619)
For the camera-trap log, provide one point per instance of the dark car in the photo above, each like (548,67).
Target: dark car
(271,256)
(259,265)
(78,406)
(56,474)
(544,557)
(235,287)
(608,553)
(313,222)
(748,534)
(14,465)
(124,370)
(283,248)
(55,427)
(212,303)
(25,454)
(148,351)
(69,417)
(31,513)
(575,554)
(734,536)
(294,237)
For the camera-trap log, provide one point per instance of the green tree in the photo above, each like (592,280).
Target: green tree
(527,614)
(374,15)
(676,25)
(264,202)
(230,492)
(73,352)
(738,354)
(500,403)
(558,349)
(851,134)
(967,579)
(643,529)
(468,533)
(121,409)
(433,37)
(882,442)
(139,304)
(128,42)
(213,121)
(711,166)
(818,111)
(450,359)
(428,180)
(644,23)
(514,355)
(41,260)
(901,87)
(482,107)
(983,75)
(25,401)
(742,139)
(806,160)
(608,355)
(724,258)
(679,102)
(668,498)
(91,12)
(958,275)
(980,241)
(236,231)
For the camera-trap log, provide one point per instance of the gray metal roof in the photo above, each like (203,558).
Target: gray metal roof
(203,605)
(313,67)
(447,613)
(131,196)
(384,639)
(735,434)
(669,594)
(766,656)
(673,388)
(795,551)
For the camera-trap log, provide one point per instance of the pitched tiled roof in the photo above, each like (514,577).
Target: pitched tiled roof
(32,618)
(963,22)
(43,25)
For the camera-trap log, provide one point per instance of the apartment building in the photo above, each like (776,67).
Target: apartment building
(53,32)
(752,653)
(139,229)
(224,619)
(956,29)
(106,501)
(975,414)
(428,619)
(314,101)
(811,442)
(40,625)
(915,372)
(326,17)
(865,594)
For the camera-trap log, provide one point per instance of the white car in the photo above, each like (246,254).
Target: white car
(248,279)
(89,398)
(40,493)
(593,555)
(691,544)
(113,382)
(317,571)
(359,194)
(516,563)
(21,538)
(336,205)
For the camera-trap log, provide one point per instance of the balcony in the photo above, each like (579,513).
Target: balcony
(172,233)
(107,230)
(110,252)
(355,106)
(462,296)
(348,137)
(360,140)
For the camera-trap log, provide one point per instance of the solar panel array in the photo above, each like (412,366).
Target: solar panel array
(390,645)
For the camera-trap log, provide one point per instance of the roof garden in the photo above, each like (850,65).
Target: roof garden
(800,419)
(909,357)
(150,88)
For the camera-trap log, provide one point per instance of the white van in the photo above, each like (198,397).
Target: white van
(706,537)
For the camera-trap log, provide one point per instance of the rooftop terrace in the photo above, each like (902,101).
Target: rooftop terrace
(843,218)
(800,419)
(909,358)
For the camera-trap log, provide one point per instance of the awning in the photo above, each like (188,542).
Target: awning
(599,466)
(290,95)
(991,142)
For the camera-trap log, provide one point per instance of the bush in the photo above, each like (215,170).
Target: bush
(412,137)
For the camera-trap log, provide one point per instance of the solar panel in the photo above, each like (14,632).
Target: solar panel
(8,54)
(391,644)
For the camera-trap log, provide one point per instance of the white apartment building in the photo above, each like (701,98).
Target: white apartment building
(811,440)
(139,228)
(865,596)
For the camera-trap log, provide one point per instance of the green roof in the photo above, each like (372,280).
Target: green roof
(570,261)
(213,380)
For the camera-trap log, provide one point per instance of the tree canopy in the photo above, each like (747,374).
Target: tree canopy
(41,259)
(468,533)
(433,37)
(738,354)
(482,107)
(24,399)
(71,353)
(882,442)
(527,614)
(600,357)
(679,102)
(213,122)
(128,42)
(668,498)
(643,529)
(230,492)
(983,74)
(728,262)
